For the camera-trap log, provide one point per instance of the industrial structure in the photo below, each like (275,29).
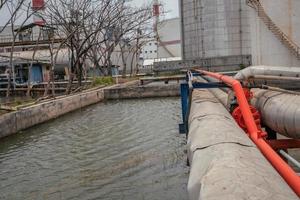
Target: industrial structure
(233,129)
(235,34)
(35,42)
(169,44)
(165,45)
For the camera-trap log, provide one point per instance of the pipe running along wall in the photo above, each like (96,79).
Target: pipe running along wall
(249,72)
(280,111)
(225,164)
(292,179)
(283,77)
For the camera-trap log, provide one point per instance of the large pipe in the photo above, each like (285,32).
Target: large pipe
(250,72)
(225,164)
(255,134)
(220,94)
(280,111)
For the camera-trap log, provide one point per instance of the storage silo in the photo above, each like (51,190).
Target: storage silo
(216,31)
(240,32)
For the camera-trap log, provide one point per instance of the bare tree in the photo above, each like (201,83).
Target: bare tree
(122,32)
(134,42)
(94,29)
(13,7)
(82,22)
(21,12)
(2,2)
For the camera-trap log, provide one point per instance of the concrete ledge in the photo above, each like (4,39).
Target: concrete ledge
(13,122)
(172,90)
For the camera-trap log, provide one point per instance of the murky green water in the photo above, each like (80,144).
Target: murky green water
(115,150)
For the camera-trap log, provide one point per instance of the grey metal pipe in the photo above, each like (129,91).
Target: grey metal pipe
(249,72)
(280,111)
(225,164)
(266,87)
(280,78)
(290,158)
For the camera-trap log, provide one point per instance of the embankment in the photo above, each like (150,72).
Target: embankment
(24,118)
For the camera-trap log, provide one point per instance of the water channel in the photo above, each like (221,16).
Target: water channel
(127,149)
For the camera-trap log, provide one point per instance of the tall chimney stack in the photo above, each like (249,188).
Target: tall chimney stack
(38,7)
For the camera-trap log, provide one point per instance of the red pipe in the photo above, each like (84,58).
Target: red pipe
(292,179)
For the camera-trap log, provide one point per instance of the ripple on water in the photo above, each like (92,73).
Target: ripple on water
(115,150)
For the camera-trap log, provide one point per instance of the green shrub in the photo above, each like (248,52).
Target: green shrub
(106,80)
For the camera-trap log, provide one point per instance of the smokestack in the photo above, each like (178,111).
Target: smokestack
(156,11)
(38,7)
(156,14)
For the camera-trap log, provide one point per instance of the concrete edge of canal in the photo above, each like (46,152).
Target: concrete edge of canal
(14,122)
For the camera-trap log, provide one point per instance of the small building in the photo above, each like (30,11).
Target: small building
(39,72)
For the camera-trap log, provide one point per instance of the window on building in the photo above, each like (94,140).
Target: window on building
(155,51)
(150,44)
(150,51)
(146,51)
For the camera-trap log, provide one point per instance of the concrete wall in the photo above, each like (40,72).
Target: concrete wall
(266,47)
(172,90)
(13,122)
(214,28)
(218,64)
(225,164)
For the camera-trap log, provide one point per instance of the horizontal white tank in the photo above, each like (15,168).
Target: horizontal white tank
(43,56)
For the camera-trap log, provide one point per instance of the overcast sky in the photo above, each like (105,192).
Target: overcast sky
(169,6)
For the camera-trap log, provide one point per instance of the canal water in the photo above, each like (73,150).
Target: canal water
(115,150)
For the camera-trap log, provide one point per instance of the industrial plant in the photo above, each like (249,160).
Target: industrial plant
(114,99)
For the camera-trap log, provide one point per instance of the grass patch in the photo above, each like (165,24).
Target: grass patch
(106,80)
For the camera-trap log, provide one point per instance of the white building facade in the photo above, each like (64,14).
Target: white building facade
(168,43)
